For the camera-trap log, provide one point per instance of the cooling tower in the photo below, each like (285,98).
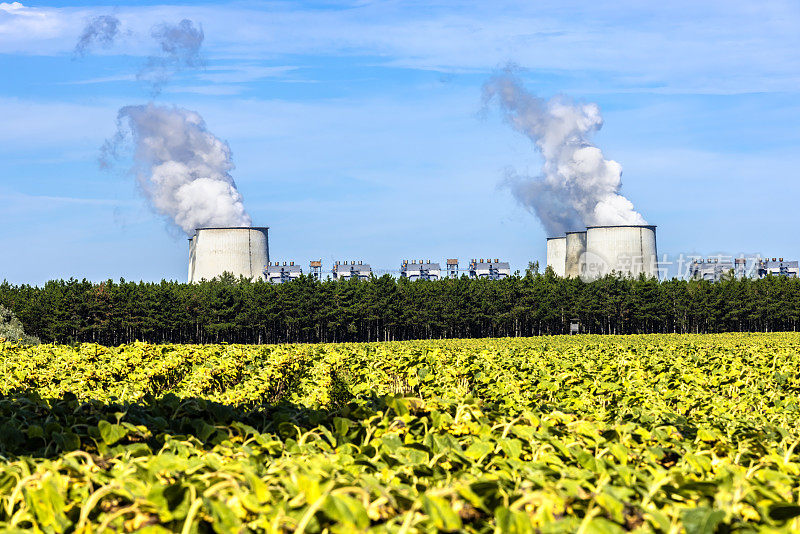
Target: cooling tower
(575,252)
(239,251)
(556,254)
(628,250)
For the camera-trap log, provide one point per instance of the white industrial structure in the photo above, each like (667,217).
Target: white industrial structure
(740,268)
(491,270)
(420,271)
(711,269)
(452,267)
(276,273)
(557,254)
(240,251)
(351,271)
(777,267)
(315,269)
(628,250)
(575,255)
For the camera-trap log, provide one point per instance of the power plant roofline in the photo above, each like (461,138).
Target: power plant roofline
(652,226)
(233,228)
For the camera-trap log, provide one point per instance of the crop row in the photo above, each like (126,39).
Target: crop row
(591,434)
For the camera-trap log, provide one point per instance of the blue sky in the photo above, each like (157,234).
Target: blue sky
(358,133)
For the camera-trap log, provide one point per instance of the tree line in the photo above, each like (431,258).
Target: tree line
(386,308)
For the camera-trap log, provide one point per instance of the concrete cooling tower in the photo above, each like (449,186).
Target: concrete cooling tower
(556,254)
(629,250)
(574,258)
(239,251)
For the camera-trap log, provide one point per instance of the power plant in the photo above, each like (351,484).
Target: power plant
(577,188)
(244,252)
(628,250)
(241,251)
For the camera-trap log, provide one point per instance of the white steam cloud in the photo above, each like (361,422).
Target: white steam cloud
(182,168)
(578,187)
(102,30)
(180,49)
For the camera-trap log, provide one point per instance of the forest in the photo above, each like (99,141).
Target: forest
(385,308)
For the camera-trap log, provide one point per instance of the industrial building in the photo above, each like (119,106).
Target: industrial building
(714,269)
(351,271)
(629,250)
(315,269)
(488,269)
(740,268)
(777,267)
(276,273)
(452,268)
(413,270)
(240,251)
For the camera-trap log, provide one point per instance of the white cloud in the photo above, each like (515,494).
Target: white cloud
(11,7)
(22,26)
(714,47)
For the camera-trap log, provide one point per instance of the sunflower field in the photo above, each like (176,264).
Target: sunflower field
(590,434)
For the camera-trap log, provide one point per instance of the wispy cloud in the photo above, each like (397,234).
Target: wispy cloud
(31,30)
(208,90)
(244,73)
(714,46)
(233,79)
(103,79)
(43,201)
(223,77)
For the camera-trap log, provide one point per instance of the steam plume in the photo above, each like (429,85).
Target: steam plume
(180,49)
(578,187)
(182,168)
(101,30)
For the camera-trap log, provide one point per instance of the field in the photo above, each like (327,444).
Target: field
(589,434)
